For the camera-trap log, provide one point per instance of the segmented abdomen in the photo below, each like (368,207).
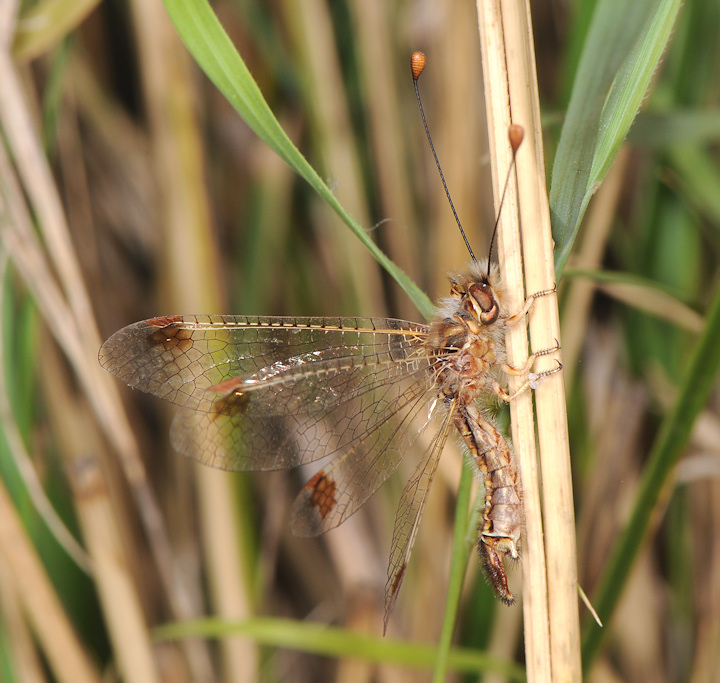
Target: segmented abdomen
(502,514)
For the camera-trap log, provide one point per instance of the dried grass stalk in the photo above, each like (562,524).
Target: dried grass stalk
(552,636)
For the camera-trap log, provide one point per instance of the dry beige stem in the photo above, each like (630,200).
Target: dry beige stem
(122,609)
(51,271)
(189,247)
(60,644)
(552,635)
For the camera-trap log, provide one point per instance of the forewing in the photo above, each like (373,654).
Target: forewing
(410,509)
(271,392)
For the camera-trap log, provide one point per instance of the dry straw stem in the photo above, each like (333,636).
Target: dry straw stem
(25,466)
(80,441)
(63,302)
(52,629)
(551,635)
(25,577)
(189,247)
(119,596)
(24,580)
(492,41)
(18,636)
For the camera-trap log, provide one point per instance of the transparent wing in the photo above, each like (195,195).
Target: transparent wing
(271,393)
(190,360)
(410,510)
(369,428)
(339,490)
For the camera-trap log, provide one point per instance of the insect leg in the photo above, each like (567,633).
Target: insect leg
(515,319)
(519,372)
(532,382)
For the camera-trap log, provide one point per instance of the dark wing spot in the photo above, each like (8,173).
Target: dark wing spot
(232,402)
(164,321)
(392,589)
(231,405)
(169,336)
(321,494)
(398,579)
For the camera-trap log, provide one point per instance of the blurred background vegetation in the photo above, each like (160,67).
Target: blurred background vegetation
(132,189)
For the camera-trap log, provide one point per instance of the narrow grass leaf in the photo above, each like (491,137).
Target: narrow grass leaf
(629,88)
(337,642)
(602,107)
(465,525)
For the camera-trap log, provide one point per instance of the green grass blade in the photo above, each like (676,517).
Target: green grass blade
(213,50)
(623,50)
(464,526)
(338,642)
(697,383)
(629,87)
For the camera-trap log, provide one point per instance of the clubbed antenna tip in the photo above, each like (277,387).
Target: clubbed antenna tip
(417,64)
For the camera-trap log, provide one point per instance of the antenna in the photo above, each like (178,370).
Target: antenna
(515,134)
(417,64)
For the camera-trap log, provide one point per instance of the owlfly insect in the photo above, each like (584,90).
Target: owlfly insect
(269,393)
